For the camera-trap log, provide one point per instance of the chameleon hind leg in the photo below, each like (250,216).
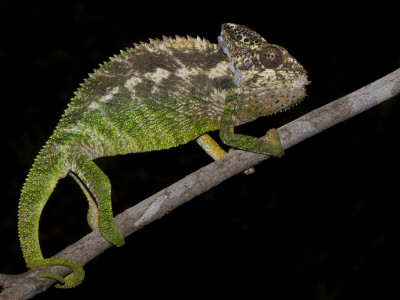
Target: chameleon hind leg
(93,212)
(97,188)
(211,147)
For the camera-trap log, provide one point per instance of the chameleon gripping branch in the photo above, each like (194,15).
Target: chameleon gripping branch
(155,96)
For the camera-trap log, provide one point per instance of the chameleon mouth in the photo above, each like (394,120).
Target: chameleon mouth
(301,81)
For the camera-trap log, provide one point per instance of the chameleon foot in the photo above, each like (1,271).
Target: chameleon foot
(110,232)
(275,143)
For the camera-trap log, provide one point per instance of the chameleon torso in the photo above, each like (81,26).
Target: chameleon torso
(154,96)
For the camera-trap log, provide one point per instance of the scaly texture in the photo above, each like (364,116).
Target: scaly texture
(155,96)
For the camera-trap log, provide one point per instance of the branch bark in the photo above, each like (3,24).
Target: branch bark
(25,286)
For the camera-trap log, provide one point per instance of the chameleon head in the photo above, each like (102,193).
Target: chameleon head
(267,74)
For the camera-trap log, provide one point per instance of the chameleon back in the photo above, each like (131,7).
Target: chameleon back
(153,96)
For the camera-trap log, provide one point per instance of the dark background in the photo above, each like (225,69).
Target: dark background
(320,223)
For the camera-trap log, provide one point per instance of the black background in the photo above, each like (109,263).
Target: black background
(320,223)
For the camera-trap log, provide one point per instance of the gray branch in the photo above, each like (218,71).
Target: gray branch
(25,286)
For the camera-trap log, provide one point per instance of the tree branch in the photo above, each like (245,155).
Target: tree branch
(25,286)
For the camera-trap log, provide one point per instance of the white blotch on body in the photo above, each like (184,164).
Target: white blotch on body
(219,70)
(132,82)
(185,72)
(94,105)
(158,75)
(107,97)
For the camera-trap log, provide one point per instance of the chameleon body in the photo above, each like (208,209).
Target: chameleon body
(154,96)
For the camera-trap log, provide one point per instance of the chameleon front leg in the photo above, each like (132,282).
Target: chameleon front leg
(245,142)
(95,183)
(211,147)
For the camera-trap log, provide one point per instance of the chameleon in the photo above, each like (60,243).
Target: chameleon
(152,96)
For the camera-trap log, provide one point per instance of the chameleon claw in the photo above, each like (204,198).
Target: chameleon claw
(249,171)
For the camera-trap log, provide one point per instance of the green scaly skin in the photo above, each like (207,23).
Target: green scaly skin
(154,96)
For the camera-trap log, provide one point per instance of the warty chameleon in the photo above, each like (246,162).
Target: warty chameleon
(154,96)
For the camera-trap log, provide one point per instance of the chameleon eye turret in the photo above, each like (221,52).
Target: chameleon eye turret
(271,57)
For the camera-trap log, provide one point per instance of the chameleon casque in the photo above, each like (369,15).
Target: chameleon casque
(154,96)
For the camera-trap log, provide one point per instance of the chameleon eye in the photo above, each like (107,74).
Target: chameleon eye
(271,57)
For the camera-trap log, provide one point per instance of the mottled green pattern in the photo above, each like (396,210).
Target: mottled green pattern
(156,96)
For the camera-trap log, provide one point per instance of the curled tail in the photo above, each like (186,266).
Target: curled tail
(70,281)
(49,167)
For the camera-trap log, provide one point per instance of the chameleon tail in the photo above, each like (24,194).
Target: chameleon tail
(70,281)
(49,167)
